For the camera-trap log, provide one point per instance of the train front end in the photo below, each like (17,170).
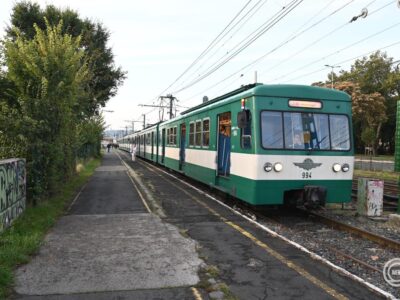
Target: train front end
(304,154)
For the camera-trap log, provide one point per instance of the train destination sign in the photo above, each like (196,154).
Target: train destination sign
(305,104)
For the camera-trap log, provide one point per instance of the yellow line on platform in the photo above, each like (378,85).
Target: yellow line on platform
(196,294)
(264,246)
(134,184)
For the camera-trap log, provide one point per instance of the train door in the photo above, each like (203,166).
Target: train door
(163,146)
(182,146)
(152,145)
(224,144)
(144,145)
(157,144)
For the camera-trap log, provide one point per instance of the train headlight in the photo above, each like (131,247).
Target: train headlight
(336,167)
(345,167)
(278,167)
(268,167)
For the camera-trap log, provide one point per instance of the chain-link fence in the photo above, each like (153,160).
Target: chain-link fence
(369,163)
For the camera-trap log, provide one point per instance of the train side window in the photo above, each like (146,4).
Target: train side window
(174,136)
(245,133)
(271,130)
(191,134)
(198,133)
(340,132)
(206,132)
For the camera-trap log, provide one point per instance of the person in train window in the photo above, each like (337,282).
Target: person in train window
(297,143)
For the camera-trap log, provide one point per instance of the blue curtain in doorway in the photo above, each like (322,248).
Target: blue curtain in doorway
(224,150)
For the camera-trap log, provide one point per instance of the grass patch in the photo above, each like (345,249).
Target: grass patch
(228,294)
(391,176)
(378,157)
(25,236)
(212,271)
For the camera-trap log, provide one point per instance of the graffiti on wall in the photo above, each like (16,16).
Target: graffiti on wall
(12,190)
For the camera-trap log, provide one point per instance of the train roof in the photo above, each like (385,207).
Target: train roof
(276,90)
(259,89)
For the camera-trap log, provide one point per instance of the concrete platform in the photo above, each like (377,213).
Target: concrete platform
(109,247)
(98,253)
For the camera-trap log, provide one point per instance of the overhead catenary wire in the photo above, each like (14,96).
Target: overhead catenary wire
(345,61)
(289,39)
(204,52)
(326,35)
(272,22)
(207,49)
(293,2)
(245,18)
(245,43)
(337,51)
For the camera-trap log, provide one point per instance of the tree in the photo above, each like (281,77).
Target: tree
(377,74)
(368,110)
(105,76)
(49,73)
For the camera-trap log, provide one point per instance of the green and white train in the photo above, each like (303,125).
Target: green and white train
(263,144)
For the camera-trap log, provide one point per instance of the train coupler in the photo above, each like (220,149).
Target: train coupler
(314,196)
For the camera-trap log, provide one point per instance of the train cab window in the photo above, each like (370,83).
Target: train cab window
(272,129)
(306,131)
(191,134)
(206,132)
(340,132)
(198,133)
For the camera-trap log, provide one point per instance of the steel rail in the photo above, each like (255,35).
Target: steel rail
(350,257)
(383,241)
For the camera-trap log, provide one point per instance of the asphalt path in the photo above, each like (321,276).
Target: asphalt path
(109,246)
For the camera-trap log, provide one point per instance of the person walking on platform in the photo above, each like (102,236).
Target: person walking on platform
(133,152)
(108,147)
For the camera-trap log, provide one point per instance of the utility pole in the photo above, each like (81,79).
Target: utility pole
(144,121)
(332,67)
(170,106)
(171,103)
(133,124)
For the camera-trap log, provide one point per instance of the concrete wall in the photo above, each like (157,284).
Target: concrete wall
(12,190)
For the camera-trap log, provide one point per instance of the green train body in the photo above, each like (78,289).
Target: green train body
(263,144)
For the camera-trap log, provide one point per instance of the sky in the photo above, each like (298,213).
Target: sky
(156,41)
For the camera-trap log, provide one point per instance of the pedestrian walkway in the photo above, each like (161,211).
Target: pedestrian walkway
(109,247)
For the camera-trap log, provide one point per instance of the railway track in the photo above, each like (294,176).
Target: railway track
(381,240)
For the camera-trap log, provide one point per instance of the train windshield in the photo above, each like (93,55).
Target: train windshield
(305,131)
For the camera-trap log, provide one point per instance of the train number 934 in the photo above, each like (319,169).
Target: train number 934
(306,175)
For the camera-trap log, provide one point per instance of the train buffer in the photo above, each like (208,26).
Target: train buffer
(112,245)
